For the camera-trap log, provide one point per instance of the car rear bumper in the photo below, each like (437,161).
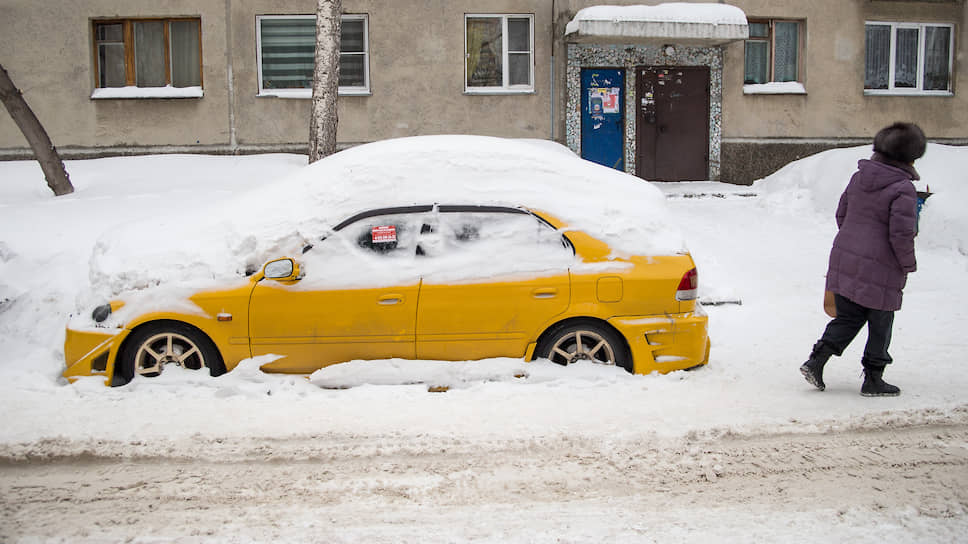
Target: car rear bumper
(666,343)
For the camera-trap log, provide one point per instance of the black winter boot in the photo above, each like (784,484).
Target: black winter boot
(874,386)
(812,370)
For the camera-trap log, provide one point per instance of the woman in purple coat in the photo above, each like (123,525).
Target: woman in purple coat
(872,255)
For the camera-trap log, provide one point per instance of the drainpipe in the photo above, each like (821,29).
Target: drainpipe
(554,26)
(233,143)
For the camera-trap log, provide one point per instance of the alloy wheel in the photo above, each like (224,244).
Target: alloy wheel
(582,345)
(167,348)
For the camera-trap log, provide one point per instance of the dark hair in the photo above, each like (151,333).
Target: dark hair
(903,142)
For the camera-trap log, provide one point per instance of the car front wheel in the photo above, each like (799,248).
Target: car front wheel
(585,341)
(153,347)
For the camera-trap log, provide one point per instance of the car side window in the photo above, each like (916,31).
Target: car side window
(487,243)
(482,231)
(392,235)
(373,248)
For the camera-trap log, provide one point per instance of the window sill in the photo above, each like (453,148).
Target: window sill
(146,92)
(787,87)
(306,94)
(879,92)
(486,92)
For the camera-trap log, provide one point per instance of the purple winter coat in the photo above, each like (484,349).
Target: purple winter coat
(874,249)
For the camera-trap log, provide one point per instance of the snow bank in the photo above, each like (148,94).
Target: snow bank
(815,183)
(768,251)
(460,375)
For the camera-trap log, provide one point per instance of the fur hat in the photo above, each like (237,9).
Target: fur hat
(903,142)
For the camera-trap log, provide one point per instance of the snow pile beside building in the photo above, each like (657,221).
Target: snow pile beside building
(816,182)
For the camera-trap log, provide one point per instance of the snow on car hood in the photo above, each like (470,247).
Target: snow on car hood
(280,217)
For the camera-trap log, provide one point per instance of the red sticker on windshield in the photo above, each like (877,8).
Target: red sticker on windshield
(384,234)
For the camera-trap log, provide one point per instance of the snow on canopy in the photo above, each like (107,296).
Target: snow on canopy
(673,12)
(283,215)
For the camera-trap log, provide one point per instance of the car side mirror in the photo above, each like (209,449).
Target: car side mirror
(281,270)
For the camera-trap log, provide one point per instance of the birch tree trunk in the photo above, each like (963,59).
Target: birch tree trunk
(323,119)
(33,131)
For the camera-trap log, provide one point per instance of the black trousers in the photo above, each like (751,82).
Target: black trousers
(851,317)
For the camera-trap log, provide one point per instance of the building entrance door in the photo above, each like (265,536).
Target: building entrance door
(672,123)
(602,117)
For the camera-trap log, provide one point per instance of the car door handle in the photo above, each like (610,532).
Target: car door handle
(388,300)
(545,292)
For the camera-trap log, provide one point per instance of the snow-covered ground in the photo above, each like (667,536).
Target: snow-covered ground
(761,253)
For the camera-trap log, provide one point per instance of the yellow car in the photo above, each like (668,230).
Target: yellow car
(435,282)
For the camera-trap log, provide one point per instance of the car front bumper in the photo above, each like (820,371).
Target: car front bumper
(91,352)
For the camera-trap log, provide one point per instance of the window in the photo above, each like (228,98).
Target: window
(772,52)
(286,45)
(908,58)
(499,53)
(148,53)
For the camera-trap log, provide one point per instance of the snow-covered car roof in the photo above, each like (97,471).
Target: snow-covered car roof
(279,217)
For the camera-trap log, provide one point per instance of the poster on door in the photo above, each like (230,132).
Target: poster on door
(602,100)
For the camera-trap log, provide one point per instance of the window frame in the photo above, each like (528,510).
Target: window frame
(128,38)
(506,87)
(307,92)
(770,39)
(919,90)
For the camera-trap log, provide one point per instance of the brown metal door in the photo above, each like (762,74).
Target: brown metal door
(673,123)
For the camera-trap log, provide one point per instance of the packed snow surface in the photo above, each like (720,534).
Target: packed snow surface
(153,227)
(163,223)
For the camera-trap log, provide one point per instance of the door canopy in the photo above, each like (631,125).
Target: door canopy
(679,22)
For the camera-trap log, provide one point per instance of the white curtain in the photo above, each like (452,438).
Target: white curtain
(878,57)
(787,44)
(906,58)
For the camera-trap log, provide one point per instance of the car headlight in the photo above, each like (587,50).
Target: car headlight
(101,313)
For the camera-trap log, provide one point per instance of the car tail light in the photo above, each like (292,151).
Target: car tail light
(688,285)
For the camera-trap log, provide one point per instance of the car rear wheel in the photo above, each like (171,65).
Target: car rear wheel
(153,347)
(585,341)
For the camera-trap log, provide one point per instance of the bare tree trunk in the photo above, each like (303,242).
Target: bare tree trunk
(323,120)
(33,131)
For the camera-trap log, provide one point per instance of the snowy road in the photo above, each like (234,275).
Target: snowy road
(906,483)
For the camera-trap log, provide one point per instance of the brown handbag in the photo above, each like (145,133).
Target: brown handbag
(829,305)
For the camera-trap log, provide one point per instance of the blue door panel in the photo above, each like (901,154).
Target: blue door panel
(602,119)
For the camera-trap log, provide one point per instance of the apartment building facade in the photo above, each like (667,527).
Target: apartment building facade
(707,90)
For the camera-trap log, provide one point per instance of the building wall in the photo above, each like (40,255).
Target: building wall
(763,132)
(416,78)
(48,50)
